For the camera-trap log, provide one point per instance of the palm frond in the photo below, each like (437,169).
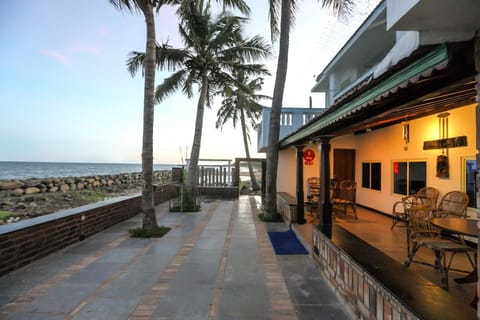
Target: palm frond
(341,8)
(135,62)
(169,85)
(274,17)
(236,4)
(169,58)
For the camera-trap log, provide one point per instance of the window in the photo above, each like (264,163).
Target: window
(469,170)
(409,176)
(372,175)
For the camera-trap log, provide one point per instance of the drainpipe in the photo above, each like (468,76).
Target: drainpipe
(300,193)
(325,207)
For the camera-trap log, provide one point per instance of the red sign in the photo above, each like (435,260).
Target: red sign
(308,156)
(395,168)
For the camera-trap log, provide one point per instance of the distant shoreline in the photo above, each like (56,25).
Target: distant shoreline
(23,170)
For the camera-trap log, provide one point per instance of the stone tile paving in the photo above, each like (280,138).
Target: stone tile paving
(214,264)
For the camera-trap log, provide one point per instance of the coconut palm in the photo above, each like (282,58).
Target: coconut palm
(147,7)
(286,19)
(240,103)
(214,48)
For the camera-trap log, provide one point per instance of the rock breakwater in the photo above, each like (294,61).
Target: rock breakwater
(33,197)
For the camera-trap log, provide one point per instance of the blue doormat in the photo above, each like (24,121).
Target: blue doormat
(286,242)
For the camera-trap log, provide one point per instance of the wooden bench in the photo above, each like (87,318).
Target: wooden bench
(287,207)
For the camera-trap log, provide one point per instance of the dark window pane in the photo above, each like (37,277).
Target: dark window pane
(400,177)
(366,175)
(376,176)
(470,188)
(417,176)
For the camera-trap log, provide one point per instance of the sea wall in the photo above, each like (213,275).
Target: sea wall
(112,183)
(28,240)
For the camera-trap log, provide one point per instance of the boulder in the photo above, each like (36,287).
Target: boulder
(32,190)
(20,206)
(33,182)
(17,192)
(10,185)
(80,185)
(64,188)
(53,189)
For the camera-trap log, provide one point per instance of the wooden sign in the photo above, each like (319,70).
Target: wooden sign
(445,143)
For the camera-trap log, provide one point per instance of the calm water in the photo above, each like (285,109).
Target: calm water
(25,170)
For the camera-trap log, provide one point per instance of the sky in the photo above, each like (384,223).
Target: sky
(66,96)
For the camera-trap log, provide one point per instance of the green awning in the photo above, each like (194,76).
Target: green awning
(437,58)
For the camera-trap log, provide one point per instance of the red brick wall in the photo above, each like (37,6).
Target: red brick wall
(38,237)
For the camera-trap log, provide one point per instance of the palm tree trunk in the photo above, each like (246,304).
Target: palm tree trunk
(253,179)
(148,206)
(277,101)
(192,180)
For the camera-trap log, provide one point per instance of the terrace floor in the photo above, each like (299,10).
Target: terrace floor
(374,228)
(214,264)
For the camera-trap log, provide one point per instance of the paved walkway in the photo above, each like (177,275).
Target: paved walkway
(213,264)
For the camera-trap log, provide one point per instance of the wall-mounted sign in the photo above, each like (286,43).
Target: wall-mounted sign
(445,143)
(308,156)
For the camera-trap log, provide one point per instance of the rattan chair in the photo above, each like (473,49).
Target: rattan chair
(425,197)
(399,210)
(453,204)
(344,196)
(429,192)
(422,233)
(313,196)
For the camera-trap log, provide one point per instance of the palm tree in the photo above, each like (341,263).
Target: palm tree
(287,15)
(240,104)
(214,48)
(147,8)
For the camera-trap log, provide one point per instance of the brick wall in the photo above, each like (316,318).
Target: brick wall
(363,295)
(28,240)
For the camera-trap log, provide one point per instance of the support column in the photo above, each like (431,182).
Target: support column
(325,207)
(300,192)
(476,56)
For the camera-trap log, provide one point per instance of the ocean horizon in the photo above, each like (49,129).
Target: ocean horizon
(10,170)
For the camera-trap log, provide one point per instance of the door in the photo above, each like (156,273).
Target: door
(344,164)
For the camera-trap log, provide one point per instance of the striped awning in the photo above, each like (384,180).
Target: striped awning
(436,59)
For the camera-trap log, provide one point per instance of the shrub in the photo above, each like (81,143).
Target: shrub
(155,233)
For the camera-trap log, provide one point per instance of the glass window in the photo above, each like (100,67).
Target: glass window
(470,187)
(372,175)
(409,176)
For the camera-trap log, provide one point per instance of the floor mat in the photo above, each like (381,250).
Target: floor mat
(286,242)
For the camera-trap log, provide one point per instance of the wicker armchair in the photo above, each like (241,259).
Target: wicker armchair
(453,204)
(422,233)
(430,192)
(425,197)
(344,196)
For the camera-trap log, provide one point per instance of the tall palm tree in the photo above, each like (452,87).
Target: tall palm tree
(240,103)
(147,8)
(287,16)
(214,48)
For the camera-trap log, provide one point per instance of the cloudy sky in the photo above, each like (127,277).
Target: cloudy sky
(65,94)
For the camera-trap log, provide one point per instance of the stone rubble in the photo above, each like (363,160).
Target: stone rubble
(34,197)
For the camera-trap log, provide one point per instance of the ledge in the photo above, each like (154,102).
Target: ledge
(27,223)
(421,296)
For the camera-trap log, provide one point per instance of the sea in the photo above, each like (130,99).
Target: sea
(26,170)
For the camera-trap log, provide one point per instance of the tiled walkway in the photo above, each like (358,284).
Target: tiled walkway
(214,264)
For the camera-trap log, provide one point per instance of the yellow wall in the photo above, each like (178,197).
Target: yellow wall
(386,146)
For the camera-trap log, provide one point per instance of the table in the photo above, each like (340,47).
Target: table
(466,227)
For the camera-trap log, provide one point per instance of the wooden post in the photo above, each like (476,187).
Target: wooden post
(300,193)
(325,207)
